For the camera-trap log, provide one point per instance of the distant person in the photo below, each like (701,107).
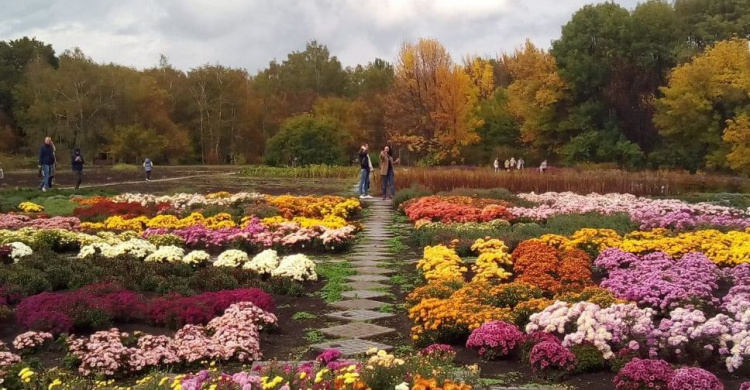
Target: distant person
(512,163)
(53,168)
(520,164)
(369,164)
(46,162)
(392,172)
(364,165)
(496,165)
(148,165)
(386,170)
(507,165)
(543,166)
(76,162)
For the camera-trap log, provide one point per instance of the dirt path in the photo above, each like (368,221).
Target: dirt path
(140,182)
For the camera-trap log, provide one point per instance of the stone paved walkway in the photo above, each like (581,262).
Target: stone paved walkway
(359,307)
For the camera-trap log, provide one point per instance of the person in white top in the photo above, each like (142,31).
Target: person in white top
(496,164)
(507,165)
(512,163)
(543,167)
(519,164)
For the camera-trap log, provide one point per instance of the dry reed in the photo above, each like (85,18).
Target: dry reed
(644,183)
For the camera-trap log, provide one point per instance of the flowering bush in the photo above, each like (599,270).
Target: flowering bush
(264,262)
(551,359)
(166,254)
(30,207)
(440,352)
(197,258)
(296,267)
(550,269)
(175,310)
(693,379)
(495,339)
(31,340)
(232,258)
(644,374)
(455,209)
(493,256)
(14,251)
(657,281)
(440,262)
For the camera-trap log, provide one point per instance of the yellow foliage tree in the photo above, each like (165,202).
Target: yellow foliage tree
(534,93)
(482,74)
(432,106)
(700,114)
(737,134)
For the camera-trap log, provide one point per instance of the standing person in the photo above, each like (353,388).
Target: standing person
(392,171)
(364,165)
(46,162)
(507,165)
(76,161)
(496,164)
(512,162)
(520,163)
(386,170)
(148,165)
(53,168)
(369,164)
(543,167)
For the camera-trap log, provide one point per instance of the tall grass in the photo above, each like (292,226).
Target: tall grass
(311,171)
(646,183)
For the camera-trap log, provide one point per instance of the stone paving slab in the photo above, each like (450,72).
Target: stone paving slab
(358,315)
(358,304)
(367,278)
(366,263)
(352,347)
(357,330)
(373,271)
(363,294)
(366,285)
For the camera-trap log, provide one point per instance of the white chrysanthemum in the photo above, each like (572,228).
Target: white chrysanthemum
(298,267)
(264,262)
(19,250)
(231,258)
(196,257)
(167,254)
(92,249)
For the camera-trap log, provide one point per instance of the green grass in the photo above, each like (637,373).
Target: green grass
(335,276)
(312,171)
(395,245)
(314,336)
(125,167)
(303,315)
(55,202)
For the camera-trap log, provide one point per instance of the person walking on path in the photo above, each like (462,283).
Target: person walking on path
(148,165)
(507,165)
(386,170)
(392,171)
(512,163)
(364,165)
(520,163)
(543,167)
(76,162)
(46,162)
(496,164)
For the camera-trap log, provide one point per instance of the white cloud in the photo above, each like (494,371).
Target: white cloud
(250,33)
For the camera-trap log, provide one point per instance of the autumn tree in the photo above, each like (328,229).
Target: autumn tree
(703,98)
(737,135)
(481,73)
(306,140)
(431,107)
(535,95)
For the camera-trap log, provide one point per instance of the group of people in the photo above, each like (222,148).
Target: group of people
(387,172)
(519,164)
(48,165)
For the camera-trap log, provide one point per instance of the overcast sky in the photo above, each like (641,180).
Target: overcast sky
(250,33)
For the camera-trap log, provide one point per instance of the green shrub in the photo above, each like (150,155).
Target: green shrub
(567,224)
(589,359)
(311,140)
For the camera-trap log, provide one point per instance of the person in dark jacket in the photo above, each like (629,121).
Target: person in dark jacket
(364,165)
(391,171)
(76,161)
(46,162)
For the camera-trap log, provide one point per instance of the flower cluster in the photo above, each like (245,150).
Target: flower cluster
(693,378)
(495,339)
(14,251)
(550,269)
(493,256)
(31,340)
(30,207)
(644,373)
(19,221)
(232,336)
(649,213)
(440,262)
(455,209)
(551,356)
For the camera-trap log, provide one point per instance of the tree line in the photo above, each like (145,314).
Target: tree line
(666,84)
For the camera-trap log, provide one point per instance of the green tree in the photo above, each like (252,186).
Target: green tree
(499,133)
(309,140)
(706,22)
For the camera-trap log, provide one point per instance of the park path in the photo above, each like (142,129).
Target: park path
(370,287)
(97,185)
